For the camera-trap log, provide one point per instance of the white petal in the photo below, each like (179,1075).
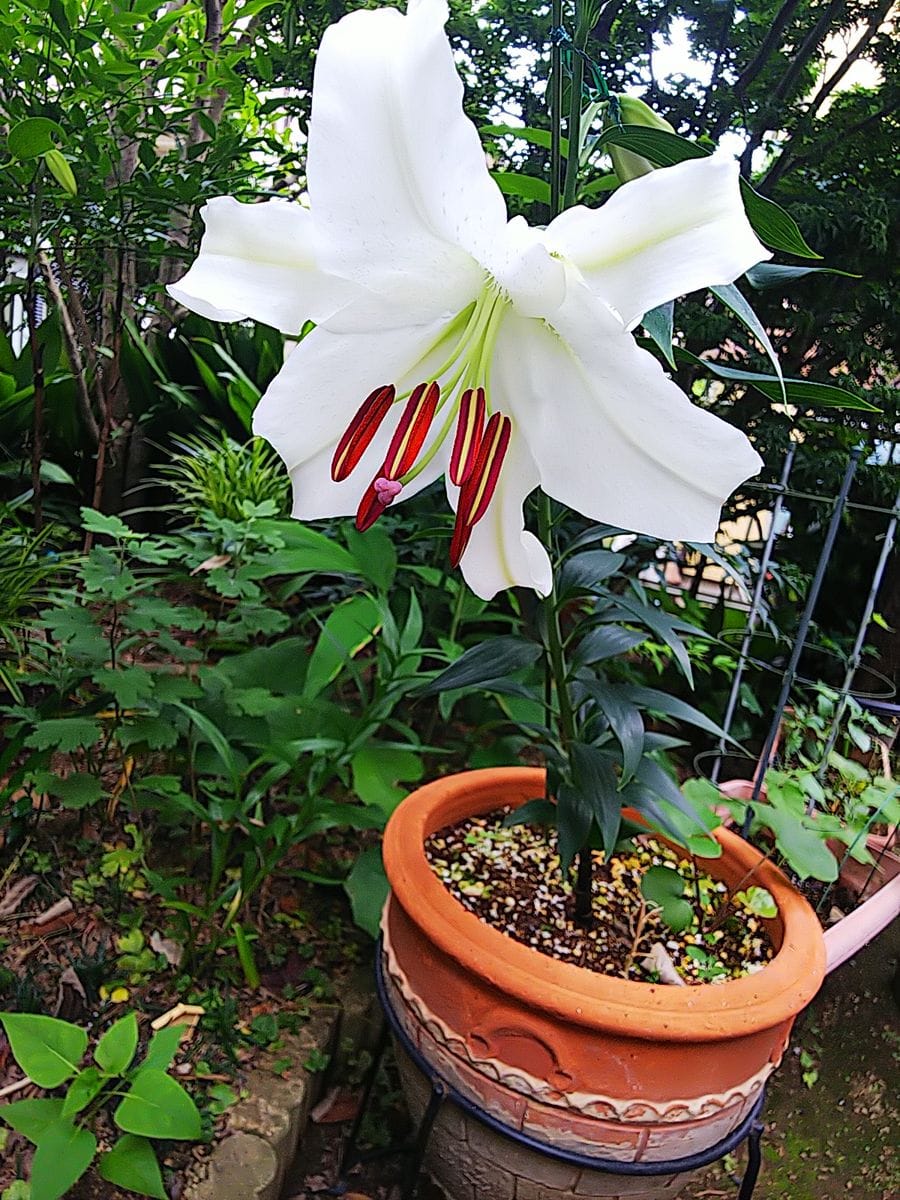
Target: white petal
(257,261)
(502,553)
(397,174)
(613,437)
(661,236)
(316,394)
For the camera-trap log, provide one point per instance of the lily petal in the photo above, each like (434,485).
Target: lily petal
(257,261)
(661,236)
(501,553)
(612,435)
(397,174)
(309,404)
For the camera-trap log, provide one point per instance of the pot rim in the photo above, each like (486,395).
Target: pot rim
(702,1012)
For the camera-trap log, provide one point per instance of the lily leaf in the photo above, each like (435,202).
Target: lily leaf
(733,300)
(514,183)
(484,663)
(659,324)
(772,275)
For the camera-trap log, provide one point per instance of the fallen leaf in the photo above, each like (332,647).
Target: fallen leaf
(337,1105)
(213,563)
(659,960)
(16,893)
(172,951)
(187,1015)
(61,909)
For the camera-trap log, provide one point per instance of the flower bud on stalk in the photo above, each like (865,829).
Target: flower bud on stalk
(626,164)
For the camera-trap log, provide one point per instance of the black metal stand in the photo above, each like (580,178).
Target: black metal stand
(412,1150)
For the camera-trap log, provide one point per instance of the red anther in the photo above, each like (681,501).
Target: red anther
(360,431)
(370,507)
(468,435)
(411,430)
(478,490)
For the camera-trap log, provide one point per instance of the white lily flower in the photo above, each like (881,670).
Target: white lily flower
(475,338)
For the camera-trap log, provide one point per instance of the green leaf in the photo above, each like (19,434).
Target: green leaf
(157,1106)
(802,392)
(48,1050)
(374,556)
(574,817)
(804,850)
(116,1048)
(349,628)
(772,275)
(733,300)
(64,733)
(535,137)
(595,778)
(659,324)
(131,1164)
(671,706)
(529,187)
(86,1085)
(31,1117)
(75,791)
(59,168)
(367,887)
(379,773)
(606,642)
(114,527)
(485,663)
(162,1048)
(664,888)
(625,721)
(62,1156)
(33,137)
(585,571)
(773,225)
(130,686)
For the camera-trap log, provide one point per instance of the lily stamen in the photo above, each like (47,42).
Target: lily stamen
(478,490)
(359,433)
(469,426)
(411,431)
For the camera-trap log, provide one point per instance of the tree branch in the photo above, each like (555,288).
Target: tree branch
(68,331)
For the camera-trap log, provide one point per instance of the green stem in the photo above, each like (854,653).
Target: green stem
(573,127)
(555,111)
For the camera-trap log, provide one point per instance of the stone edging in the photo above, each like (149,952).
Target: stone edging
(264,1130)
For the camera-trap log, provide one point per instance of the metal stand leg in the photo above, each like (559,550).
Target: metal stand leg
(754,1161)
(415,1152)
(350,1154)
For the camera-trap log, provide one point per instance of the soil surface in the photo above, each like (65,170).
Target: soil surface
(510,878)
(830,1135)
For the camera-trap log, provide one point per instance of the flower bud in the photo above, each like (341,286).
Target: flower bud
(626,164)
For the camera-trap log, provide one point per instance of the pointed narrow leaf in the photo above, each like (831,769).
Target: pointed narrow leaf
(490,660)
(574,819)
(514,183)
(805,393)
(733,300)
(157,1106)
(162,1048)
(62,1156)
(132,1164)
(624,720)
(47,1050)
(349,627)
(586,570)
(671,706)
(772,275)
(595,778)
(659,324)
(606,642)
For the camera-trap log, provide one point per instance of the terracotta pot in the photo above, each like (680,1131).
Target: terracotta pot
(616,1069)
(878,891)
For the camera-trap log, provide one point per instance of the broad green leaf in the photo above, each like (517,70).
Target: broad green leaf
(157,1106)
(597,187)
(33,137)
(379,773)
(116,1048)
(348,628)
(130,686)
(162,1048)
(305,551)
(529,187)
(804,850)
(485,663)
(64,733)
(48,1050)
(114,527)
(659,324)
(86,1085)
(374,555)
(131,1164)
(664,888)
(31,1117)
(75,791)
(63,1154)
(367,887)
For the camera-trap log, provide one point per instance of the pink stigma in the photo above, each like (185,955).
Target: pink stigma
(387,490)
